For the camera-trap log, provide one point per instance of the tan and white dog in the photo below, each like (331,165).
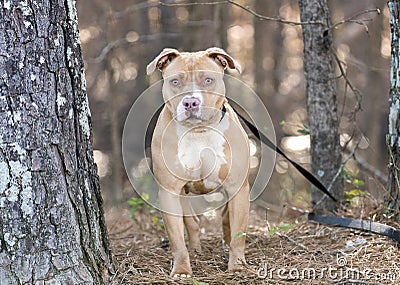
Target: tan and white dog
(199,146)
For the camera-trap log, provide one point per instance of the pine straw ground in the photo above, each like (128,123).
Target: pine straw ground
(308,253)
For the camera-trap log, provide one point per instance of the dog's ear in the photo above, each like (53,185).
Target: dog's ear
(224,59)
(162,60)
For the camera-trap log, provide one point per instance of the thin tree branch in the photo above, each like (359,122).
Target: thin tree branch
(122,42)
(296,243)
(364,166)
(344,75)
(351,154)
(261,17)
(245,8)
(355,91)
(353,19)
(100,69)
(193,3)
(133,8)
(107,49)
(376,173)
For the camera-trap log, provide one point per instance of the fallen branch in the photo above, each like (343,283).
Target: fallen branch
(302,246)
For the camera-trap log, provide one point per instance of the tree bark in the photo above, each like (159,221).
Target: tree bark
(321,98)
(52,228)
(393,140)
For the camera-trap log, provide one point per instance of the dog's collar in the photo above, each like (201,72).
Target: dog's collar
(223,111)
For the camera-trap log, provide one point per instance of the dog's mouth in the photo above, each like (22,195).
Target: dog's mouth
(191,119)
(201,116)
(190,116)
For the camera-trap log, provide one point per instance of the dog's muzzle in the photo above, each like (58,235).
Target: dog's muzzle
(189,108)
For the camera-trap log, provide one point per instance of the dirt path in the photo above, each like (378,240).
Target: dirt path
(305,254)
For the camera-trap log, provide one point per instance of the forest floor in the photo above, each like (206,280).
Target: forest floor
(295,252)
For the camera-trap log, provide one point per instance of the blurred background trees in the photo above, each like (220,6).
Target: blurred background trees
(120,37)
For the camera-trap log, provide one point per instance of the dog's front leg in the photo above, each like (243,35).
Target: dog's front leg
(238,208)
(192,224)
(174,225)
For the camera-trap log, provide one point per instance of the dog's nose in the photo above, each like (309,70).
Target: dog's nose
(191,103)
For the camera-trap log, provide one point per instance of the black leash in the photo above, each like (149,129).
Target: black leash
(363,225)
(263,138)
(373,227)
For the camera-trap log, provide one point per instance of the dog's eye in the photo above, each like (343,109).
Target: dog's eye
(208,81)
(175,82)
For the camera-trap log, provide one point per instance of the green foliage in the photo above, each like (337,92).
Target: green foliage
(304,130)
(358,183)
(195,282)
(281,227)
(350,179)
(346,175)
(355,182)
(239,235)
(139,205)
(350,195)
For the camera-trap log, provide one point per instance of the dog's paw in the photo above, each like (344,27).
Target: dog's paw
(236,268)
(181,268)
(195,252)
(238,265)
(181,276)
(182,272)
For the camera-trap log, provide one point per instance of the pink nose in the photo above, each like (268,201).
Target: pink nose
(191,103)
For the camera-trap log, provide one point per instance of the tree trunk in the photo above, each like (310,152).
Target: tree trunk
(52,228)
(321,97)
(201,32)
(393,200)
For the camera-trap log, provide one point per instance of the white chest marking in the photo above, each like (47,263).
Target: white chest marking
(201,154)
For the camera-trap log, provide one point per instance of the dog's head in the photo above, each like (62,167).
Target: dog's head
(193,89)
